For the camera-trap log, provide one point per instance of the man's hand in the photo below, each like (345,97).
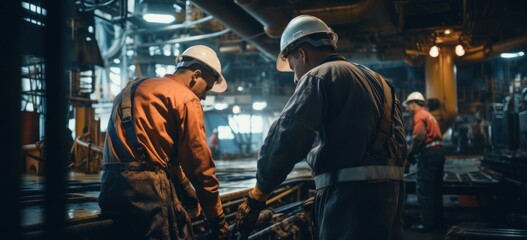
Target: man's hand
(219,228)
(247,216)
(185,192)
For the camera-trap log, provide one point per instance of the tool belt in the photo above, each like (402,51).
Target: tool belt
(362,173)
(131,166)
(433,144)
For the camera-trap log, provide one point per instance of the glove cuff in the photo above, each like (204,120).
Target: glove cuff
(255,204)
(257,194)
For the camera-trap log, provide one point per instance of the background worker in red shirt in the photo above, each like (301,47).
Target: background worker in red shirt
(426,142)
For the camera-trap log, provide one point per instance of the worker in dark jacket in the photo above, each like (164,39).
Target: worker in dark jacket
(358,156)
(156,147)
(426,142)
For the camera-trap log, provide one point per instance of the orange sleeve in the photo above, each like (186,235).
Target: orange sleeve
(196,159)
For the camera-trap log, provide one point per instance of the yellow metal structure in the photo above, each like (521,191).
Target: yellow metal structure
(87,148)
(441,85)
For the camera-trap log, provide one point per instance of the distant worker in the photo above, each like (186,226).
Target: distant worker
(477,136)
(359,152)
(426,142)
(156,129)
(214,144)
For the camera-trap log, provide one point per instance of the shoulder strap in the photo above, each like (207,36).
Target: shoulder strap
(385,124)
(125,105)
(386,120)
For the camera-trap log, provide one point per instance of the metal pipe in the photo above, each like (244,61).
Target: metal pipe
(344,14)
(241,23)
(482,52)
(188,39)
(89,145)
(271,16)
(281,195)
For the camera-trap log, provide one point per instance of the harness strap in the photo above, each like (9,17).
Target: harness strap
(385,124)
(124,103)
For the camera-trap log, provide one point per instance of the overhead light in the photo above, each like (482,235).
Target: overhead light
(236,109)
(158,18)
(240,89)
(259,105)
(448,31)
(158,12)
(434,51)
(221,106)
(460,51)
(512,55)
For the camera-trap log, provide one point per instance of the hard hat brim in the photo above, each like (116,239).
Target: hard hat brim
(220,87)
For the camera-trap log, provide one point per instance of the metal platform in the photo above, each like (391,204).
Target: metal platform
(463,175)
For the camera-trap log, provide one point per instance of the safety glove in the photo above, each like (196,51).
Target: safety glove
(186,193)
(219,228)
(247,215)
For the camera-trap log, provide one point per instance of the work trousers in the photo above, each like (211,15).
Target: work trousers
(360,210)
(143,205)
(429,186)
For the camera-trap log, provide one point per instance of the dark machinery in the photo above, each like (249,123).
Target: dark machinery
(287,215)
(505,161)
(508,156)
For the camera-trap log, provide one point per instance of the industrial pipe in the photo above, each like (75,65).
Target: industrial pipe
(343,14)
(241,23)
(188,39)
(268,14)
(483,52)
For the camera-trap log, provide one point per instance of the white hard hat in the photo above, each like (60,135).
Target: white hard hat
(206,57)
(297,28)
(414,96)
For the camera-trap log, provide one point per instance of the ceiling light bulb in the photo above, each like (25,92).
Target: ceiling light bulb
(448,31)
(159,18)
(236,109)
(460,51)
(434,51)
(512,55)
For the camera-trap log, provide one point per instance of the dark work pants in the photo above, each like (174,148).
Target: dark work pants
(429,186)
(143,205)
(360,210)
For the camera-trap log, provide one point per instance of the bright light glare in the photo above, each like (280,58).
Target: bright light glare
(158,18)
(512,55)
(244,123)
(224,132)
(434,51)
(236,109)
(221,106)
(259,105)
(460,51)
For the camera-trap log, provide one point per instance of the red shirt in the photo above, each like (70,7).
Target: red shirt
(426,129)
